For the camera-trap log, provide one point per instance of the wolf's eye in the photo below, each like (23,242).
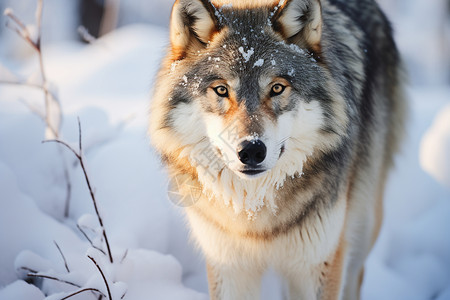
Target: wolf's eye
(277,89)
(221,91)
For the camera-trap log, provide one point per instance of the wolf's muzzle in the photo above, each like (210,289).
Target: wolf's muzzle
(251,153)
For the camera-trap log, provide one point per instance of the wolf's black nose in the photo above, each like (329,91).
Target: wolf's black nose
(252,152)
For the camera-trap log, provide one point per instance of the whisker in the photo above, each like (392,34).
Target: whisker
(283,140)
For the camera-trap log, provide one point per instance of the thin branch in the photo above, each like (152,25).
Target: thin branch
(85,235)
(41,63)
(124,256)
(103,276)
(22,31)
(91,191)
(65,144)
(66,171)
(39,26)
(90,241)
(66,282)
(28,269)
(15,19)
(82,291)
(62,255)
(25,34)
(49,97)
(80,147)
(27,84)
(79,156)
(53,278)
(68,189)
(21,83)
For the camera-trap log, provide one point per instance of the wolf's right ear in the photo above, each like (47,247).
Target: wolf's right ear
(192,24)
(300,22)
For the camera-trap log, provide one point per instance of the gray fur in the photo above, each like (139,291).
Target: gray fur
(357,61)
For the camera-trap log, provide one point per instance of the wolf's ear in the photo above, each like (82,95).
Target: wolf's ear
(300,22)
(192,24)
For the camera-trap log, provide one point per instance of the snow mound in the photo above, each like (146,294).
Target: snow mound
(435,148)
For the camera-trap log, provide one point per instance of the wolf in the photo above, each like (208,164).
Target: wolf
(286,116)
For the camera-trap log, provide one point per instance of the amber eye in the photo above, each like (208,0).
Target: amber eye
(221,91)
(277,89)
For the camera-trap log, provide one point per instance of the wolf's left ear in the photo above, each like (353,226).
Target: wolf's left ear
(300,22)
(192,24)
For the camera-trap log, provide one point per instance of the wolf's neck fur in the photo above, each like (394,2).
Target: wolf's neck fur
(247,195)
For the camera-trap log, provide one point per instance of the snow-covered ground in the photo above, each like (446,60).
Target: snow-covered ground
(107,85)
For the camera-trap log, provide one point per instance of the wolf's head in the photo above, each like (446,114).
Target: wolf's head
(244,96)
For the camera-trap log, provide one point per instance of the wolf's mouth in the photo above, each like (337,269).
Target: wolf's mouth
(252,171)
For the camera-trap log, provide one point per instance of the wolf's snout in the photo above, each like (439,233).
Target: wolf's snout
(252,152)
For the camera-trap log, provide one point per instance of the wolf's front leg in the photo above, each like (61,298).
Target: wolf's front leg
(231,283)
(323,281)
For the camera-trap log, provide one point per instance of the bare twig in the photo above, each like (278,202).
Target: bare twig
(124,256)
(50,100)
(53,278)
(48,96)
(65,145)
(34,274)
(9,13)
(103,276)
(63,257)
(82,291)
(89,240)
(39,8)
(20,28)
(79,156)
(28,269)
(68,189)
(22,83)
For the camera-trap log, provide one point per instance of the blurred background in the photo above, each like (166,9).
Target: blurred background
(422,27)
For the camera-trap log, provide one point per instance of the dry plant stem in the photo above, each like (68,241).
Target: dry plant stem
(63,257)
(53,278)
(79,156)
(24,33)
(34,274)
(48,96)
(28,269)
(91,191)
(82,291)
(41,64)
(68,189)
(89,240)
(124,256)
(103,276)
(37,86)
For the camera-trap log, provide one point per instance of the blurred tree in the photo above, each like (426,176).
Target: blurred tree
(91,13)
(110,16)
